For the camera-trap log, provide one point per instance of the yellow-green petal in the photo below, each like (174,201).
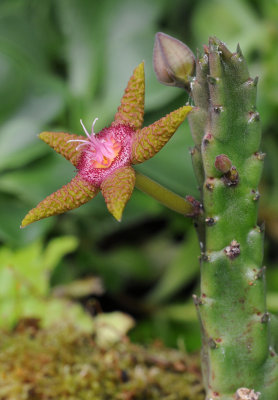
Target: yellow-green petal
(117,189)
(59,142)
(131,110)
(70,196)
(150,140)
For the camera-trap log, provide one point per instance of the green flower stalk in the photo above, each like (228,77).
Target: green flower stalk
(104,160)
(238,360)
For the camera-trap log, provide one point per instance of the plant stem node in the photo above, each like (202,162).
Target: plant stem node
(247,394)
(233,250)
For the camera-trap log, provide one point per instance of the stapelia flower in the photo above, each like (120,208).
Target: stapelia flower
(104,160)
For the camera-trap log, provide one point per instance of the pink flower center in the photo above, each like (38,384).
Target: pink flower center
(103,150)
(109,150)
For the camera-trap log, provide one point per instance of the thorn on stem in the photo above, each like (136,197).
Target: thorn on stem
(210,221)
(247,394)
(206,49)
(231,178)
(212,80)
(218,109)
(207,139)
(253,116)
(224,165)
(197,301)
(272,352)
(197,206)
(233,250)
(260,156)
(225,51)
(262,227)
(256,80)
(265,318)
(256,195)
(239,51)
(209,184)
(261,273)
(212,344)
(204,257)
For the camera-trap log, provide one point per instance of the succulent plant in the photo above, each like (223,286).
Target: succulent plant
(238,359)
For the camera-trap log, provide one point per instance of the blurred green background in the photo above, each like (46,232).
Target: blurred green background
(62,60)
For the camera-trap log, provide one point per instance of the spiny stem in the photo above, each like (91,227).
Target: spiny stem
(237,359)
(188,208)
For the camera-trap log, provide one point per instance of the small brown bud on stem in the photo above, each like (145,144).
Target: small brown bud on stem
(173,61)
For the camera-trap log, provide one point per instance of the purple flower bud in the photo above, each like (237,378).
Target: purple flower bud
(173,61)
(223,163)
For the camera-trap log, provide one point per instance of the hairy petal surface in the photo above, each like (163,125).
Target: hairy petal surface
(117,189)
(104,160)
(69,197)
(131,110)
(59,142)
(150,140)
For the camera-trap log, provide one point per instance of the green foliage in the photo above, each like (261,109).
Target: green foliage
(25,285)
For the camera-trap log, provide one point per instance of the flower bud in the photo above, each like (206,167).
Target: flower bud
(223,163)
(173,61)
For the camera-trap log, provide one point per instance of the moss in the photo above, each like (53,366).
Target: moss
(62,363)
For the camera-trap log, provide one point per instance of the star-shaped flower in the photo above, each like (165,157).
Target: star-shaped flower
(104,160)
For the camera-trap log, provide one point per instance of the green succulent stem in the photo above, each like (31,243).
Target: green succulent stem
(166,196)
(238,357)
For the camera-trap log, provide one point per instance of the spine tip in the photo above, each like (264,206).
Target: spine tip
(239,51)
